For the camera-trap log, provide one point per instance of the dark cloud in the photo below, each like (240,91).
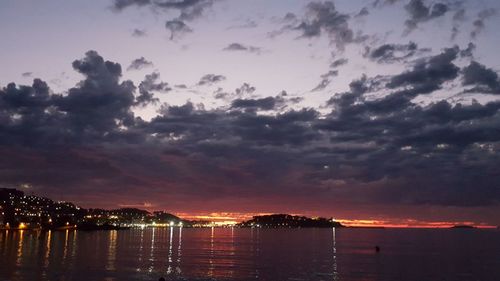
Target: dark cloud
(479,23)
(139,32)
(244,91)
(414,140)
(149,85)
(429,74)
(210,79)
(27,74)
(96,109)
(242,48)
(122,4)
(363,12)
(390,53)
(177,28)
(100,103)
(268,103)
(326,79)
(290,17)
(420,13)
(469,51)
(324,18)
(370,148)
(484,79)
(380,3)
(458,18)
(188,10)
(139,63)
(339,62)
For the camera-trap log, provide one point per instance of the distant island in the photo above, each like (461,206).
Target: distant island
(289,221)
(464,226)
(20,211)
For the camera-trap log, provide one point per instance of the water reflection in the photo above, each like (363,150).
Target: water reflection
(65,249)
(170,248)
(20,233)
(152,251)
(47,252)
(179,252)
(335,272)
(210,261)
(244,254)
(73,243)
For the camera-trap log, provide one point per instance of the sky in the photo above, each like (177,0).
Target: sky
(375,111)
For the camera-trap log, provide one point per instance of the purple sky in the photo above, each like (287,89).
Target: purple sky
(378,109)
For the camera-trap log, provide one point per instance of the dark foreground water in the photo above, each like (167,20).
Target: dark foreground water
(251,254)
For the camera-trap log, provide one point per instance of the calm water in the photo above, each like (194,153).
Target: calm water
(246,254)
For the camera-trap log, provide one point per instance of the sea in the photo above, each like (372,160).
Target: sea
(176,253)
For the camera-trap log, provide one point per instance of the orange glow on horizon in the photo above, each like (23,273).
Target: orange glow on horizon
(230,218)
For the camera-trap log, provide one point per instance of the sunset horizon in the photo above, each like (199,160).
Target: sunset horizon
(216,140)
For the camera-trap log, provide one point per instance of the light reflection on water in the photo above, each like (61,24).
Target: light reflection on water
(250,254)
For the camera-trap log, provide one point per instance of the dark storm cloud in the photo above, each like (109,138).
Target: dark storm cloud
(415,140)
(484,79)
(242,48)
(210,79)
(427,75)
(420,13)
(372,148)
(93,110)
(139,63)
(100,103)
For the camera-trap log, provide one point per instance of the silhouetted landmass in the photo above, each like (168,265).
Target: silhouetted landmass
(288,221)
(93,227)
(463,226)
(368,227)
(18,210)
